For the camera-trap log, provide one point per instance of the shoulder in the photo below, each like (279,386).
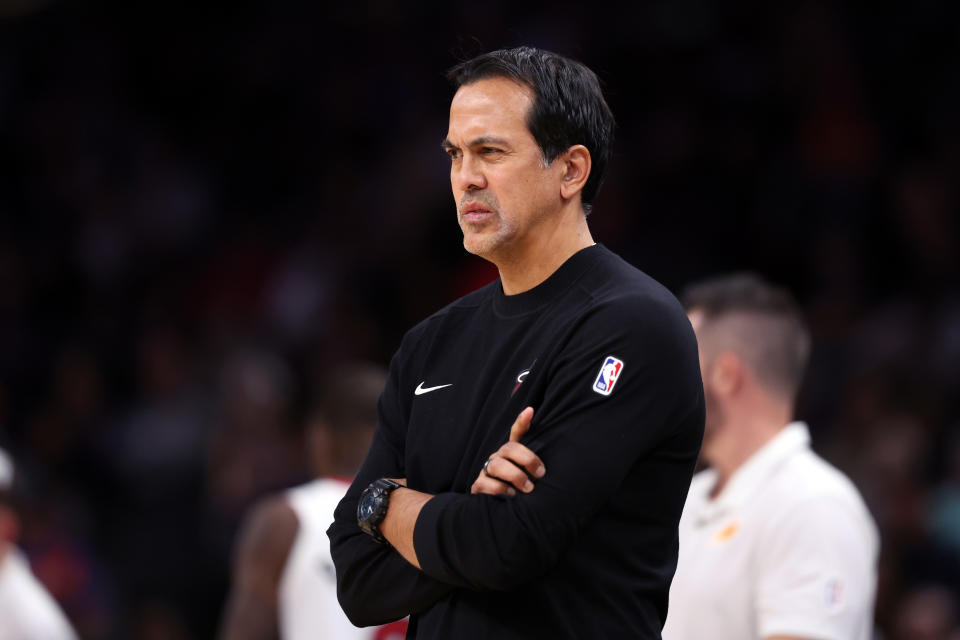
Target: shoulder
(314,501)
(812,478)
(466,304)
(26,607)
(643,312)
(270,527)
(610,271)
(643,324)
(811,494)
(272,510)
(618,289)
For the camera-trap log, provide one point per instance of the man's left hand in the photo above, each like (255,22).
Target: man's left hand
(511,467)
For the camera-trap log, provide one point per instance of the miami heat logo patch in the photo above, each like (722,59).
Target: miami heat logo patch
(608,376)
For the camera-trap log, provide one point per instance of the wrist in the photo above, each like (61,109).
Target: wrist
(373,505)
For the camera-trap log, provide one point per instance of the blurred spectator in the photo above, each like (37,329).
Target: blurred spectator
(284,583)
(928,612)
(774,542)
(944,514)
(27,611)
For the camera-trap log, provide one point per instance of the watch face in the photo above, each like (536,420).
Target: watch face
(368,504)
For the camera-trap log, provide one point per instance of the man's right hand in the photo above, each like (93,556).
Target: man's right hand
(506,471)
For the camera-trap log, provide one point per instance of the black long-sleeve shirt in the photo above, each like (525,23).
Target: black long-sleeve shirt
(591,551)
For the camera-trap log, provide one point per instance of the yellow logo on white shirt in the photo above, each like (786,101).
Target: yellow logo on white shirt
(726,533)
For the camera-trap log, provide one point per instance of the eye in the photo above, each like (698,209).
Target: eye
(453,152)
(490,150)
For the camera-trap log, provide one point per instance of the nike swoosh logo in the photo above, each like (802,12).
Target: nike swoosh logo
(420,390)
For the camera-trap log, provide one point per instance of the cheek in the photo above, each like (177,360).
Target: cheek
(525,200)
(520,193)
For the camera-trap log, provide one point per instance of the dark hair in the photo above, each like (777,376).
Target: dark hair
(568,105)
(779,349)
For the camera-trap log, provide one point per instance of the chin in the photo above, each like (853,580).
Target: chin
(479,245)
(472,247)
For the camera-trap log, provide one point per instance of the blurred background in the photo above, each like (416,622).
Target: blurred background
(203,211)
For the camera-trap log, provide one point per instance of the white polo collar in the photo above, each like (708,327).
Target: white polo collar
(754,473)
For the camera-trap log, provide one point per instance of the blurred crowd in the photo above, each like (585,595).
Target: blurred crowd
(204,212)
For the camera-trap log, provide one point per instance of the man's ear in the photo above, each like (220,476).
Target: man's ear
(576,170)
(727,373)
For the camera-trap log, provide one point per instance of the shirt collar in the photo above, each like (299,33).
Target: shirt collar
(753,474)
(557,283)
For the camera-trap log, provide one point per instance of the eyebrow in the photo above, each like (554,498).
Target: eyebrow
(477,142)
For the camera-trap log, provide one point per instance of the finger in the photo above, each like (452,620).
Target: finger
(523,457)
(485,483)
(491,486)
(505,471)
(521,425)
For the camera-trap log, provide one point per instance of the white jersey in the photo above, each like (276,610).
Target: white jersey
(27,611)
(308,587)
(787,548)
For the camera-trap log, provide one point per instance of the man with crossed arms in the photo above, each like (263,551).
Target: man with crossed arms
(597,359)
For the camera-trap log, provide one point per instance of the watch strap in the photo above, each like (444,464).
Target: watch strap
(379,491)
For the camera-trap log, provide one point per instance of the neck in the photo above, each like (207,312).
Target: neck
(527,266)
(746,434)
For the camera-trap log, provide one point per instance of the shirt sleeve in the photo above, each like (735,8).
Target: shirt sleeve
(816,573)
(376,585)
(589,441)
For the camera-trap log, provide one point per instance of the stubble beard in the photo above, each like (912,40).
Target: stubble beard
(485,239)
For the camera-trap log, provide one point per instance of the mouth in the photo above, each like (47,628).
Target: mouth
(475,212)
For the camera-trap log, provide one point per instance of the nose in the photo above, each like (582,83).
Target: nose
(467,175)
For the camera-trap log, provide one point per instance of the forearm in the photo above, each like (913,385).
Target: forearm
(375,584)
(248,617)
(264,546)
(401,519)
(485,542)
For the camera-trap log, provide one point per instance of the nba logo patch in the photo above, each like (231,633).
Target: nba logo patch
(607,378)
(833,595)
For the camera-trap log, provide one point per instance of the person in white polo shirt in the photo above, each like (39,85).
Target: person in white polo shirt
(27,610)
(774,542)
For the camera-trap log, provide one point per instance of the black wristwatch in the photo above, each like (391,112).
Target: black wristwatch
(372,508)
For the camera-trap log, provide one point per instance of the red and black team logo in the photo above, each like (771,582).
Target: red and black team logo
(523,376)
